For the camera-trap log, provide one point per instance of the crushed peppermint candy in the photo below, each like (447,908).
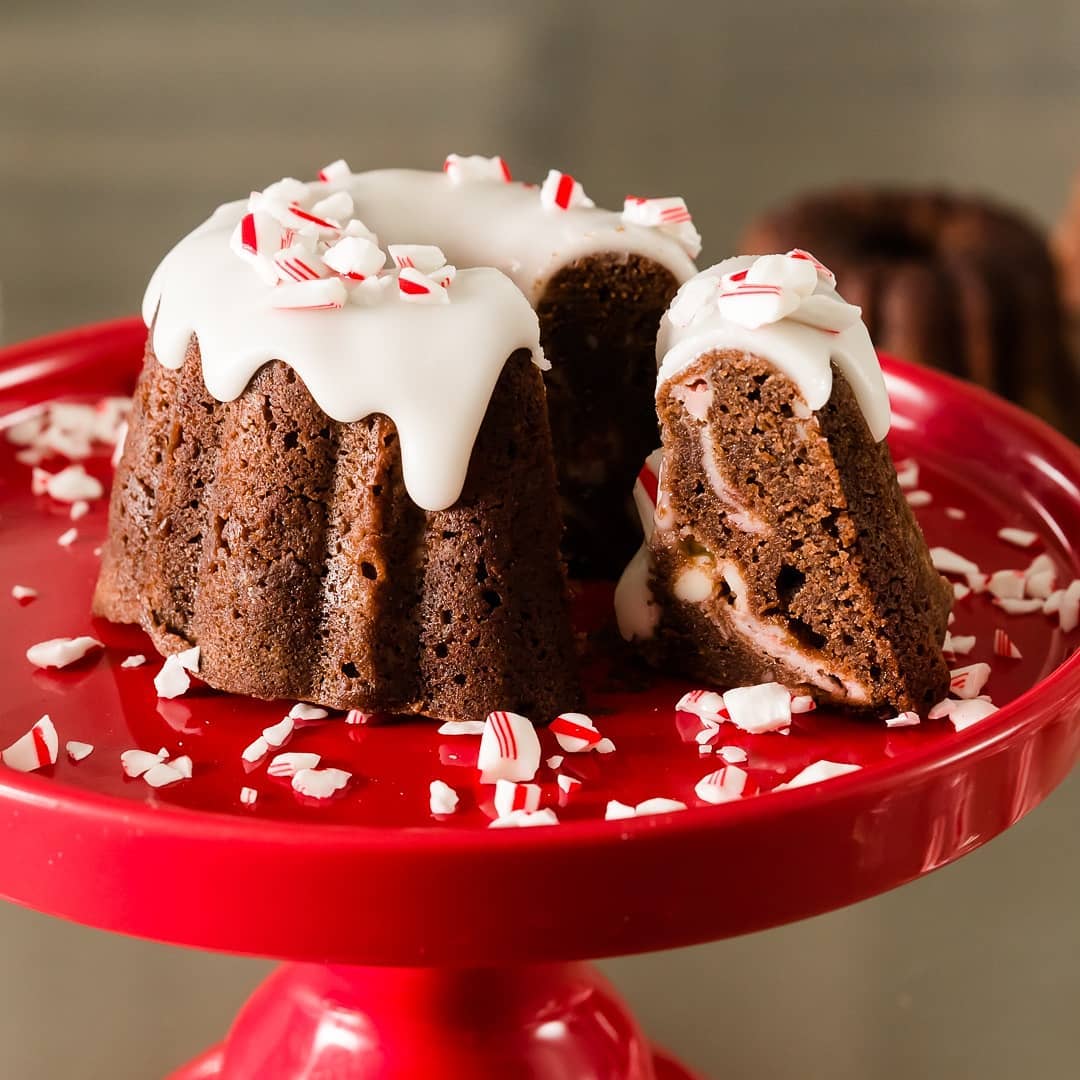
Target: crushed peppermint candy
(817,772)
(907,473)
(23,592)
(968,682)
(560,191)
(1013,606)
(668,214)
(1004,646)
(955,513)
(423,257)
(1006,584)
(335,172)
(302,711)
(958,644)
(706,705)
(917,499)
(462,727)
(722,785)
(322,294)
(567,784)
(461,169)
(419,288)
(320,783)
(733,755)
(173,679)
(509,748)
(78,751)
(70,485)
(761,708)
(1020,537)
(904,719)
(277,735)
(575,733)
(525,819)
(60,652)
(166,773)
(255,751)
(291,764)
(442,799)
(511,796)
(79,509)
(555,761)
(136,763)
(133,661)
(658,806)
(248,796)
(37,749)
(67,538)
(962,714)
(948,562)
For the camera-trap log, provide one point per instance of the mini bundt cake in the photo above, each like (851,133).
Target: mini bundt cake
(954,282)
(779,546)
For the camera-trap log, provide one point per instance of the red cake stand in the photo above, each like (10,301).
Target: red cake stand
(420,947)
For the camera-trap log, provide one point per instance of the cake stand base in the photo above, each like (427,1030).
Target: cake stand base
(550,1022)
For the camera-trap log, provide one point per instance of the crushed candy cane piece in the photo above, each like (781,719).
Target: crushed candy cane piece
(357,717)
(133,661)
(79,509)
(335,172)
(67,538)
(417,287)
(575,732)
(907,473)
(162,775)
(322,294)
(904,719)
(733,755)
(248,796)
(819,771)
(1020,537)
(277,735)
(183,765)
(299,262)
(525,819)
(723,785)
(302,711)
(320,783)
(955,513)
(658,806)
(948,562)
(78,751)
(761,708)
(957,644)
(462,727)
(291,764)
(802,703)
(567,784)
(616,811)
(255,751)
(1069,607)
(1012,606)
(555,761)
(173,679)
(692,299)
(706,705)
(967,682)
(37,749)
(510,796)
(966,713)
(422,257)
(1006,584)
(918,499)
(605,746)
(23,592)
(335,207)
(189,659)
(960,590)
(136,763)
(443,799)
(355,257)
(560,191)
(1003,646)
(509,748)
(60,652)
(461,168)
(73,484)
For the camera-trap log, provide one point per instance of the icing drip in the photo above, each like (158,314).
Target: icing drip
(425,345)
(784,309)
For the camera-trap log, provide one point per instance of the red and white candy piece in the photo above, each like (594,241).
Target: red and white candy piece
(575,732)
(78,751)
(70,485)
(962,714)
(567,785)
(79,509)
(23,592)
(666,210)
(802,703)
(442,798)
(1040,577)
(277,735)
(1004,646)
(658,806)
(299,218)
(707,705)
(818,771)
(525,819)
(357,717)
(509,748)
(761,708)
(174,679)
(417,287)
(967,682)
(354,257)
(68,537)
(754,306)
(325,294)
(257,233)
(1022,538)
(948,562)
(695,297)
(1013,606)
(303,711)
(320,783)
(907,473)
(166,773)
(136,763)
(560,191)
(291,764)
(335,172)
(37,749)
(733,755)
(723,785)
(299,262)
(904,719)
(918,499)
(248,796)
(510,796)
(462,727)
(255,751)
(60,652)
(958,645)
(823,271)
(334,208)
(422,257)
(475,167)
(1006,584)
(1068,609)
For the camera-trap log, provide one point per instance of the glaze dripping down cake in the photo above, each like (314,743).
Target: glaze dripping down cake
(778,543)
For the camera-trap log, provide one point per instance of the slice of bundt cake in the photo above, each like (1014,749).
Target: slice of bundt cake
(955,282)
(341,487)
(779,545)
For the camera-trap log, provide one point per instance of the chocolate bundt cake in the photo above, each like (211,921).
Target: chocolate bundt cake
(779,546)
(957,283)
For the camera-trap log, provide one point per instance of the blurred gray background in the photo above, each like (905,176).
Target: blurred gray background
(122,123)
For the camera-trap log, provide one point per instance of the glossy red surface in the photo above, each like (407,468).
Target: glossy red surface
(370,878)
(550,1022)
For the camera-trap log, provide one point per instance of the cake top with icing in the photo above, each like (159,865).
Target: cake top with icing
(298,273)
(785,309)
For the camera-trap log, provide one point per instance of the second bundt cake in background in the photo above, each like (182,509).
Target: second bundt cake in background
(954,282)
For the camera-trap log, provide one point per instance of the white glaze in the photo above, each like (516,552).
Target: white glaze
(431,368)
(803,352)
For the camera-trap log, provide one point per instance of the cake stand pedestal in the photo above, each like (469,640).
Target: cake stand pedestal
(423,948)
